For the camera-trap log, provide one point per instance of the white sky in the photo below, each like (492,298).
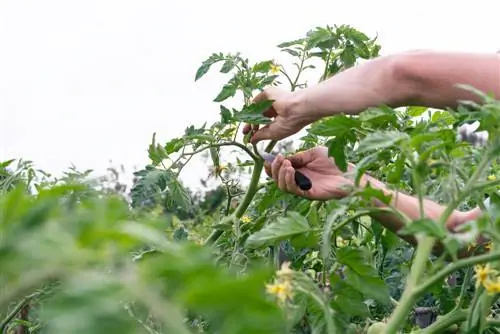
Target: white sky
(85,82)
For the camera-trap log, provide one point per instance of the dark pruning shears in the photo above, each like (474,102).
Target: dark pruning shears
(301,180)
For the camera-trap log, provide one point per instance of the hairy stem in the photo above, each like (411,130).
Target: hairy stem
(249,195)
(444,322)
(407,300)
(424,249)
(5,322)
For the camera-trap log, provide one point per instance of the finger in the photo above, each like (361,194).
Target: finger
(290,181)
(262,96)
(276,165)
(267,169)
(247,128)
(282,175)
(265,133)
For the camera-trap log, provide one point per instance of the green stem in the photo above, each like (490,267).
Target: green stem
(444,322)
(5,322)
(445,272)
(407,300)
(230,143)
(240,210)
(424,248)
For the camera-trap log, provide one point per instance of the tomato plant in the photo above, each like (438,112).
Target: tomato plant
(249,258)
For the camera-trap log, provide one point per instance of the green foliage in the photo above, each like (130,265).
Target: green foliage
(87,257)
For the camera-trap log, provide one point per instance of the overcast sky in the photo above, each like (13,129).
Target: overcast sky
(85,82)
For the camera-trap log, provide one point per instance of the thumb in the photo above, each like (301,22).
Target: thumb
(264,133)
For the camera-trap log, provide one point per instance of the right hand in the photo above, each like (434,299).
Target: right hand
(286,122)
(327,179)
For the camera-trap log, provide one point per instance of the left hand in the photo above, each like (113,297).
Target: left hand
(326,178)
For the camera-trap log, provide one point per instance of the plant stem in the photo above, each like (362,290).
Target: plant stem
(407,300)
(454,317)
(443,273)
(15,311)
(240,210)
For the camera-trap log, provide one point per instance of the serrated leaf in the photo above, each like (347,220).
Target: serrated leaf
(225,115)
(337,126)
(425,226)
(362,276)
(205,65)
(381,140)
(291,43)
(177,195)
(379,117)
(229,90)
(337,151)
(263,66)
(371,286)
(227,66)
(292,224)
(250,118)
(174,145)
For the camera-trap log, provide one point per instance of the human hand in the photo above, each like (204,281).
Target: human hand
(328,181)
(287,121)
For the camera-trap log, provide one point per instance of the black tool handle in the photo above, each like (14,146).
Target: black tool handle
(302,181)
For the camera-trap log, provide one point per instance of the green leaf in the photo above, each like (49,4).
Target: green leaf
(229,90)
(177,195)
(174,145)
(355,259)
(371,286)
(362,276)
(227,66)
(291,43)
(258,107)
(379,117)
(381,140)
(425,226)
(263,66)
(337,151)
(337,126)
(349,300)
(283,228)
(416,111)
(225,115)
(253,113)
(331,219)
(205,65)
(250,118)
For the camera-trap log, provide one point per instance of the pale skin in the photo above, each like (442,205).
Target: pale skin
(422,78)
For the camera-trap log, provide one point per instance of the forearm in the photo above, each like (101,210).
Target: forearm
(412,78)
(409,206)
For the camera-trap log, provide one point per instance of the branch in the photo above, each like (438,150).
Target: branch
(443,273)
(15,311)
(230,143)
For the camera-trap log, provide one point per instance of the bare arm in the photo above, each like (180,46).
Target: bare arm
(421,78)
(409,206)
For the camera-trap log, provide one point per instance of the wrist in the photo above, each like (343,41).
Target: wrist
(298,109)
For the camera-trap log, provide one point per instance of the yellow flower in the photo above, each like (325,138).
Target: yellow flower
(492,177)
(282,290)
(483,273)
(341,242)
(275,69)
(487,246)
(492,287)
(246,219)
